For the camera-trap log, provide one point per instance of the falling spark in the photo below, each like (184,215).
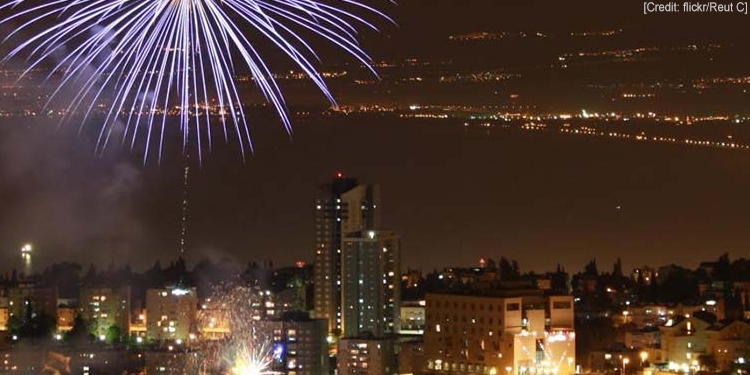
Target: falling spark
(185,203)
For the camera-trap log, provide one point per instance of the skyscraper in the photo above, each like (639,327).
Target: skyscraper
(347,207)
(371,284)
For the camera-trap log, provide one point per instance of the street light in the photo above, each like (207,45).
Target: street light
(625,362)
(644,357)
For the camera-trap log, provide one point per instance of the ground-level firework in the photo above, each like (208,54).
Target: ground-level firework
(230,340)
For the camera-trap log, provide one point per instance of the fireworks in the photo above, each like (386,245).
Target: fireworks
(143,60)
(231,342)
(251,361)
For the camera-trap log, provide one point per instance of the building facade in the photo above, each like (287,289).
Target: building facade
(299,344)
(366,357)
(412,318)
(514,334)
(347,207)
(27,299)
(66,317)
(683,342)
(171,314)
(4,319)
(371,284)
(728,345)
(105,307)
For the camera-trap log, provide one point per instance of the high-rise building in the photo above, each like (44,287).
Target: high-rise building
(371,284)
(347,207)
(171,314)
(106,307)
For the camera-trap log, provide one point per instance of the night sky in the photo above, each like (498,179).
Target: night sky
(453,194)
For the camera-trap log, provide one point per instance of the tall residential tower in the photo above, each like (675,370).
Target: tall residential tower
(371,284)
(346,208)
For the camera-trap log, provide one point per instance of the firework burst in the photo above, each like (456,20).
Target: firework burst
(139,61)
(231,341)
(251,360)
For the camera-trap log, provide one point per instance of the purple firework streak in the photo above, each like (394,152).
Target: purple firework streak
(153,56)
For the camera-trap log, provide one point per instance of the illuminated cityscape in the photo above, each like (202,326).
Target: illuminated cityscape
(472,187)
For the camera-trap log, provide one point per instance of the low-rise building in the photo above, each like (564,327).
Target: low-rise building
(214,320)
(367,356)
(299,344)
(171,314)
(683,341)
(649,337)
(513,332)
(410,356)
(170,362)
(138,328)
(728,344)
(614,360)
(104,308)
(412,317)
(66,317)
(29,298)
(4,318)
(644,315)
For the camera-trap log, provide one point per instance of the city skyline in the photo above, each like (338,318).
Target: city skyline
(472,320)
(517,129)
(374,187)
